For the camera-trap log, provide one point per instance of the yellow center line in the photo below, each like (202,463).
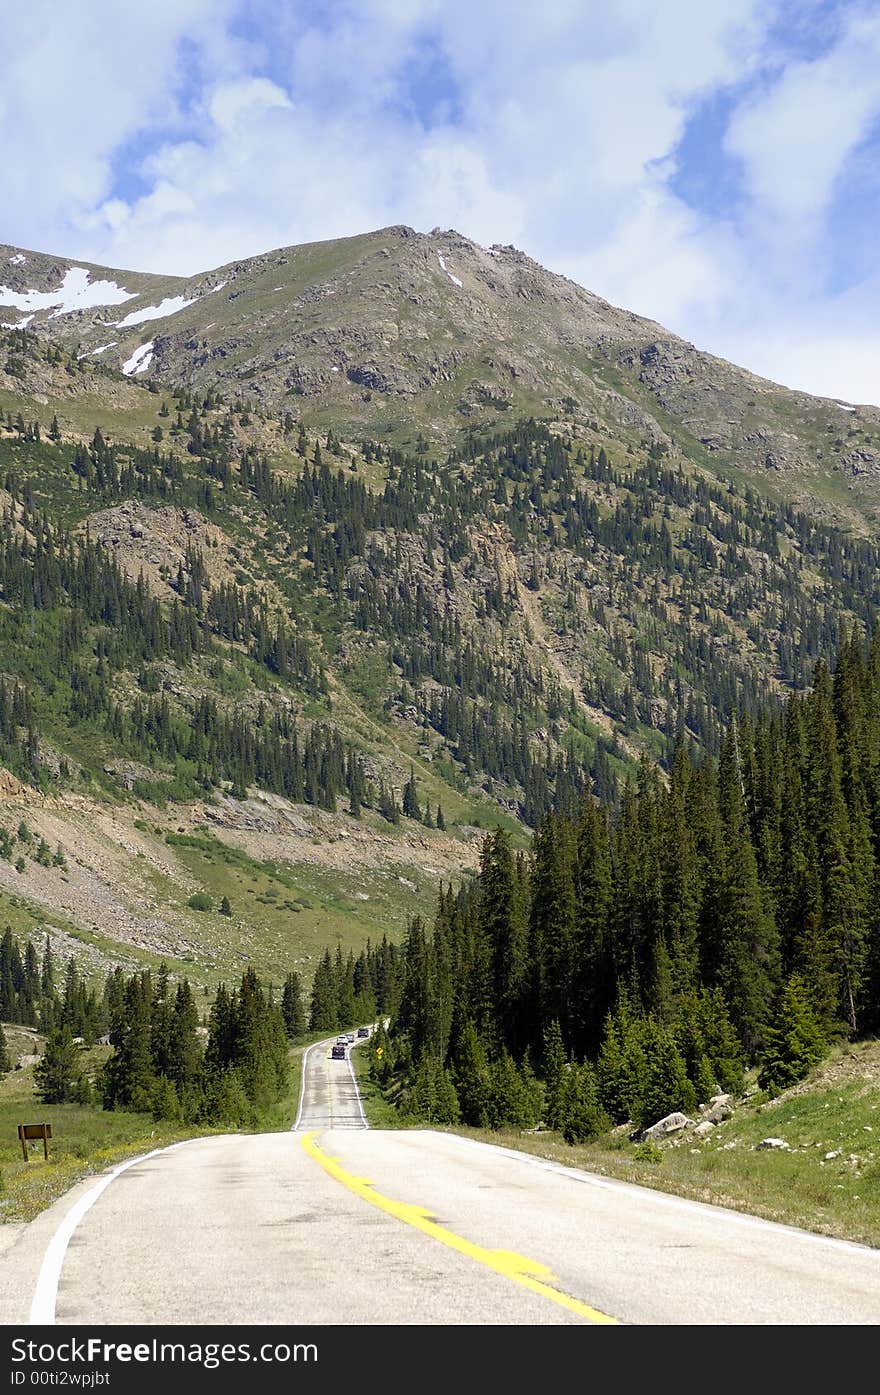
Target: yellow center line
(527,1273)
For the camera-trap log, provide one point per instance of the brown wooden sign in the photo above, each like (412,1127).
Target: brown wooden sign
(27,1131)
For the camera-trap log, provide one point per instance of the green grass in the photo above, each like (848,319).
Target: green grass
(284,915)
(26,919)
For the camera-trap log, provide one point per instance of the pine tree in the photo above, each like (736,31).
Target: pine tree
(793,1039)
(552,929)
(511,1103)
(184,1043)
(748,966)
(472,1080)
(502,924)
(128,1078)
(324,1010)
(554,1074)
(292,1009)
(58,1074)
(432,1096)
(582,1116)
(220,1048)
(721,1042)
(594,968)
(261,1053)
(410,798)
(704,1082)
(165,1101)
(842,841)
(666,1085)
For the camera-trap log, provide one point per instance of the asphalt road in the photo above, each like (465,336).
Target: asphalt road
(329,1096)
(358,1226)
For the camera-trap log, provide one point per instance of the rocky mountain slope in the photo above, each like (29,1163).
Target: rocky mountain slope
(394,333)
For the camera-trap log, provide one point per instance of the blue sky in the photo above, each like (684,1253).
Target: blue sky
(714,166)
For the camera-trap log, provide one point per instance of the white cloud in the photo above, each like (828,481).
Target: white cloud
(79,80)
(795,137)
(234,102)
(560,115)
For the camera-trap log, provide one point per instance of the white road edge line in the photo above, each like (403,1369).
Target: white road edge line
(302,1087)
(357,1093)
(46,1291)
(668,1199)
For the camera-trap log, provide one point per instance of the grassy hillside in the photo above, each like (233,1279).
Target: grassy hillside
(825,1180)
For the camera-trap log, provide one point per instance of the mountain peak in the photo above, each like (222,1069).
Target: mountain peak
(394,333)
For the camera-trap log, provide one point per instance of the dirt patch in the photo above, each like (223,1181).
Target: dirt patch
(104,887)
(270,828)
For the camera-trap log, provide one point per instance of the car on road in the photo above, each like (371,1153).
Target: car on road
(363,1031)
(338,1052)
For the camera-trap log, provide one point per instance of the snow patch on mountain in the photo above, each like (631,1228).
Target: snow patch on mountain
(76,292)
(90,353)
(443,267)
(140,360)
(18,260)
(172,305)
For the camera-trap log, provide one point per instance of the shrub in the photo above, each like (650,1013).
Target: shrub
(647,1152)
(200,901)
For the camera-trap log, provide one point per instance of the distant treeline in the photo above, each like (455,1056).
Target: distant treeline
(230,1069)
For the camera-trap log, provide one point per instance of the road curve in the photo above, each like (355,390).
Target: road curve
(294,1228)
(329,1094)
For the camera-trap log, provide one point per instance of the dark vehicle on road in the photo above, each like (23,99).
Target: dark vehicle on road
(363,1031)
(338,1052)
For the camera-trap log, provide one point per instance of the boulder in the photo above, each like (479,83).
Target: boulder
(719,1110)
(703,1128)
(773,1143)
(672,1123)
